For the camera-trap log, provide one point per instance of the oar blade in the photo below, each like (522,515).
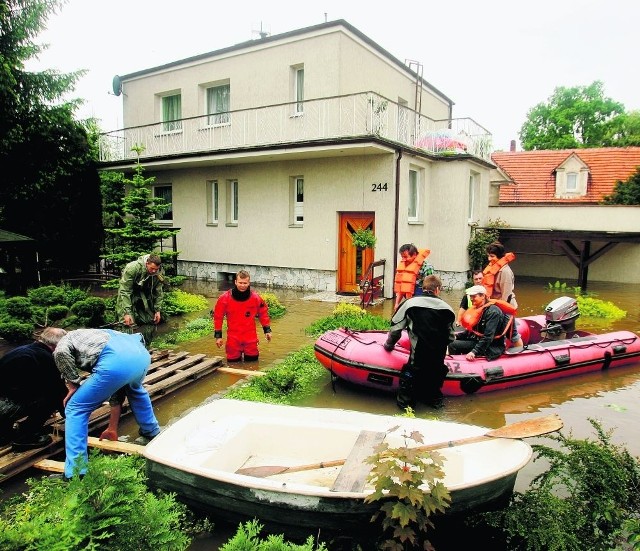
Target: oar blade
(262,471)
(528,428)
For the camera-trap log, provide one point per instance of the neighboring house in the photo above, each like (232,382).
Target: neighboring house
(552,202)
(274,151)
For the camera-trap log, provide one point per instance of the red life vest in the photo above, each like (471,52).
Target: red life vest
(472,315)
(492,269)
(405,278)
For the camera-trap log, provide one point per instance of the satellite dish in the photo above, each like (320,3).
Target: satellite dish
(117,85)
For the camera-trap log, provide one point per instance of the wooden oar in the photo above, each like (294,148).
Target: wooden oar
(521,429)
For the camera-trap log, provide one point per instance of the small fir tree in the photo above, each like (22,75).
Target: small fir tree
(139,234)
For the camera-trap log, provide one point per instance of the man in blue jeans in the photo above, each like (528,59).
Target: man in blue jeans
(113,360)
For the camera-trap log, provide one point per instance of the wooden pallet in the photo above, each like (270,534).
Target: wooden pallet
(168,372)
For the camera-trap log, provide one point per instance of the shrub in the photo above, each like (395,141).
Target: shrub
(46,296)
(90,312)
(276,309)
(348,315)
(16,331)
(20,308)
(409,485)
(56,313)
(286,383)
(195,329)
(110,508)
(581,502)
(247,539)
(179,302)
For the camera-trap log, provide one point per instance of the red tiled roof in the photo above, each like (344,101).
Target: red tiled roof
(533,174)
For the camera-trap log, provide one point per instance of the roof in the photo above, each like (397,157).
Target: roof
(533,172)
(290,34)
(10,237)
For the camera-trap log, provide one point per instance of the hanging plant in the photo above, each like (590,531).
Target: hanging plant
(363,239)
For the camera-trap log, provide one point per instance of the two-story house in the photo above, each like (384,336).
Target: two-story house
(274,151)
(558,226)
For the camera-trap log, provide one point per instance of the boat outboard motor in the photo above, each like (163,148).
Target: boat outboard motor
(561,315)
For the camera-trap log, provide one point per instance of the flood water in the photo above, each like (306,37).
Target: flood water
(611,397)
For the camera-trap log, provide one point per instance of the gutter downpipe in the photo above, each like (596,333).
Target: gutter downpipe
(396,216)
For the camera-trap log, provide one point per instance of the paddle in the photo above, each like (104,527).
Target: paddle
(521,429)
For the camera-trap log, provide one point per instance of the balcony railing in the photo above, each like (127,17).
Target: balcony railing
(358,115)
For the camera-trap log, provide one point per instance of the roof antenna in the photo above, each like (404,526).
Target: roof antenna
(262,33)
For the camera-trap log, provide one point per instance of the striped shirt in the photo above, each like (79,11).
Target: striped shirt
(78,351)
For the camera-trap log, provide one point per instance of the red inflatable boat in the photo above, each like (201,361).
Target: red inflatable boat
(553,349)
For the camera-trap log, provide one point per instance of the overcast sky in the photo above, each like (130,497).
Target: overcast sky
(495,59)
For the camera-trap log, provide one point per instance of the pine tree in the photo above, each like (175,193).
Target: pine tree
(140,233)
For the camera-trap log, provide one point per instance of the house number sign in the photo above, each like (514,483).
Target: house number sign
(379,187)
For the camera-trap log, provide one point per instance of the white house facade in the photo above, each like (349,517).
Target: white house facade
(274,151)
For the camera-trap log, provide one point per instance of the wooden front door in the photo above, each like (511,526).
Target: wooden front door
(353,262)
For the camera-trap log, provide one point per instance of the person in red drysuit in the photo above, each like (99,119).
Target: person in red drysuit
(241,306)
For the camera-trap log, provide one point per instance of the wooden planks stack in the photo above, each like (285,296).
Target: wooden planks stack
(168,372)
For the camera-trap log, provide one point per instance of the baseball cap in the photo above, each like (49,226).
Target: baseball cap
(476,290)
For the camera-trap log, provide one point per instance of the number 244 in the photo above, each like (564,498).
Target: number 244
(379,187)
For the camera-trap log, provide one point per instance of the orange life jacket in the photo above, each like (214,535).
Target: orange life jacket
(472,315)
(405,278)
(490,272)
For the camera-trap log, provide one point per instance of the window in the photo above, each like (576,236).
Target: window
(298,88)
(232,202)
(218,104)
(297,200)
(474,178)
(165,193)
(572,182)
(171,113)
(413,211)
(212,202)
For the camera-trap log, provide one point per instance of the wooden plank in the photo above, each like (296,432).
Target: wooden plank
(181,376)
(236,371)
(166,371)
(354,472)
(50,465)
(13,463)
(110,445)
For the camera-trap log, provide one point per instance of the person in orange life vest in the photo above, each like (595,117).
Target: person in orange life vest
(503,281)
(465,303)
(241,306)
(404,284)
(488,337)
(429,321)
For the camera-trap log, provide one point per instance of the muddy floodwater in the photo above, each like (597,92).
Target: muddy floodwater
(611,397)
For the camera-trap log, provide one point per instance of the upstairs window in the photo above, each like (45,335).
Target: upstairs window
(474,180)
(298,89)
(572,182)
(218,104)
(415,208)
(172,113)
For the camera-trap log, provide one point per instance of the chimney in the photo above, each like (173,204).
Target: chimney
(513,145)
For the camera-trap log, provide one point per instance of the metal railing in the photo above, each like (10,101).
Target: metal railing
(365,114)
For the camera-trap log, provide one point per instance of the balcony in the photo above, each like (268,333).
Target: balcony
(364,115)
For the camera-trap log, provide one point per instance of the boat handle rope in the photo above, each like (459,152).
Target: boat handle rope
(334,377)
